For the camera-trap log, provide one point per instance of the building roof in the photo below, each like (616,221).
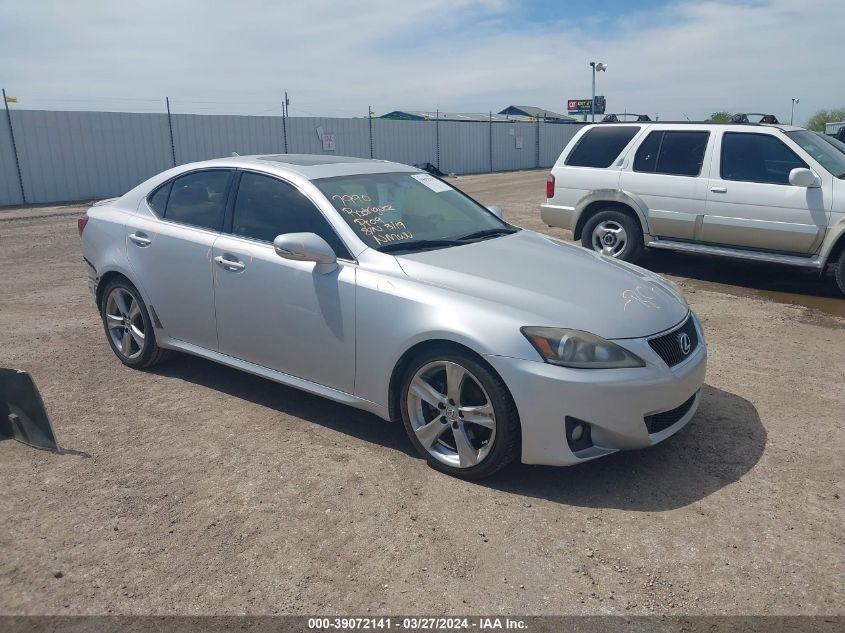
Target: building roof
(537,113)
(422,115)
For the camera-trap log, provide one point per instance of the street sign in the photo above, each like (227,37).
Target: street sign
(583,106)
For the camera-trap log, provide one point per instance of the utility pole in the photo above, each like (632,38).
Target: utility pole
(600,67)
(14,146)
(792,114)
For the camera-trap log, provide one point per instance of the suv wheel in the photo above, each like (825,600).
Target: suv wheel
(459,415)
(614,234)
(128,327)
(839,271)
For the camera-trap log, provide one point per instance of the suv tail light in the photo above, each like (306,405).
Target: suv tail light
(550,186)
(81,221)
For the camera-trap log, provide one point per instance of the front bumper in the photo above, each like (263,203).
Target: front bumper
(615,402)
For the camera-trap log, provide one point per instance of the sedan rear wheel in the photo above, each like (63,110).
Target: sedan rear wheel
(124,323)
(128,326)
(460,416)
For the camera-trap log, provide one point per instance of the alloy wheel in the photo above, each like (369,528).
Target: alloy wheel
(609,238)
(125,323)
(451,414)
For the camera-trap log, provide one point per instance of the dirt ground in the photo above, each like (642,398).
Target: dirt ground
(205,490)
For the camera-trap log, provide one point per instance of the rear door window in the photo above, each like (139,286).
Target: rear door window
(158,199)
(601,145)
(757,158)
(676,153)
(199,199)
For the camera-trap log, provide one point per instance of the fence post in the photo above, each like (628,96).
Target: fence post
(437,135)
(170,126)
(370,117)
(538,143)
(14,146)
(491,141)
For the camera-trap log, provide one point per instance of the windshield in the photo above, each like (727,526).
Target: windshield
(835,142)
(825,153)
(404,212)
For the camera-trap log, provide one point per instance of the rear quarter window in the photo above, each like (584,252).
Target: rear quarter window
(601,145)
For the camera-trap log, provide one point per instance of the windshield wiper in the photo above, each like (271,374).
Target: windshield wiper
(419,245)
(487,233)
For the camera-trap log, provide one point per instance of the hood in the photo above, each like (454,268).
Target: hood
(558,284)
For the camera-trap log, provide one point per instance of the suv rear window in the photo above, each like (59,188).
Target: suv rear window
(674,153)
(600,146)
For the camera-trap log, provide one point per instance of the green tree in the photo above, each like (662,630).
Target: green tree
(721,117)
(817,121)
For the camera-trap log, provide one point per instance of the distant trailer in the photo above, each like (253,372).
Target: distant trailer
(831,129)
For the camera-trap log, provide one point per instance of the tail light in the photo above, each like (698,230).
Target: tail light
(550,186)
(81,221)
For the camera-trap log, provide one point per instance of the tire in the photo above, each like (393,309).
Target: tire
(128,324)
(493,442)
(610,224)
(839,271)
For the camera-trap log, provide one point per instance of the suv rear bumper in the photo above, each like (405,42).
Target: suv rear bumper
(556,215)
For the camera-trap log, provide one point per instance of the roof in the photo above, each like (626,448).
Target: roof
(537,113)
(312,166)
(486,117)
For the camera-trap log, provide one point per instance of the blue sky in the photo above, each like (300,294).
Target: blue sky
(336,58)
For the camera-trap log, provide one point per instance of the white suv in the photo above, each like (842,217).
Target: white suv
(773,193)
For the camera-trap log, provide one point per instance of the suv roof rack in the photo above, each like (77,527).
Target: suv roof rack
(614,118)
(742,117)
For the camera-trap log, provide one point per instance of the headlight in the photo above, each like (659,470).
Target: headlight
(574,348)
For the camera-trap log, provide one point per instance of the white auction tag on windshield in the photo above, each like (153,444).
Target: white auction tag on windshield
(432,183)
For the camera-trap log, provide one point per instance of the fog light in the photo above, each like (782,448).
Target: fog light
(578,434)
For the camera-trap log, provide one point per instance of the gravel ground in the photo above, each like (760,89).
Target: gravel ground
(204,490)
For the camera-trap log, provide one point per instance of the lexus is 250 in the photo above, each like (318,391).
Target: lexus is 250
(380,286)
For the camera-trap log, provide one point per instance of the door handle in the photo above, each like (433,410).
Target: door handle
(140,239)
(228,264)
(719,189)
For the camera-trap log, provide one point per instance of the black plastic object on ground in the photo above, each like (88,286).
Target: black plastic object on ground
(22,413)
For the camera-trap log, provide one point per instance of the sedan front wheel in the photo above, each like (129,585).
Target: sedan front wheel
(459,415)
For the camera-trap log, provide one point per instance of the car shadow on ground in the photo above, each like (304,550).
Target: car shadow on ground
(744,275)
(722,443)
(287,400)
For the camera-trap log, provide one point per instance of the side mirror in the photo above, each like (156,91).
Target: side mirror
(801,177)
(306,247)
(497,211)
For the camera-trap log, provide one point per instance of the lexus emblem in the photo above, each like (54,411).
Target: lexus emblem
(685,343)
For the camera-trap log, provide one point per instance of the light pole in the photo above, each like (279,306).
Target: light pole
(596,66)
(792,114)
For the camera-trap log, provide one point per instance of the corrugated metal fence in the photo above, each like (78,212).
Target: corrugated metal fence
(82,155)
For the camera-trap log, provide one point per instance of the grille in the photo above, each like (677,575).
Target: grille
(661,421)
(668,346)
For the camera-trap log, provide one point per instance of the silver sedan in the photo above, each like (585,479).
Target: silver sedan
(382,287)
